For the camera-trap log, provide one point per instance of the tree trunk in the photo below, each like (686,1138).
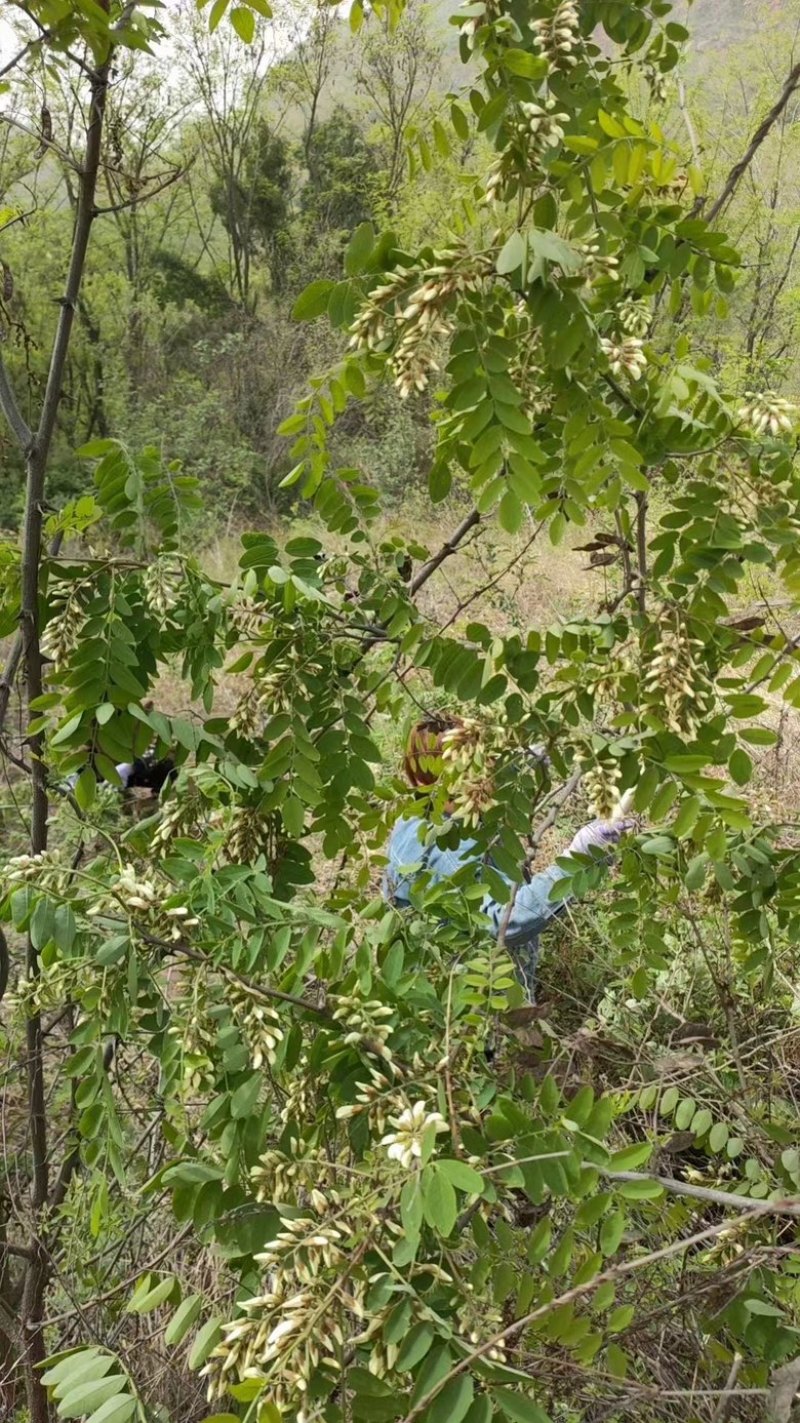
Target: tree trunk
(37,1271)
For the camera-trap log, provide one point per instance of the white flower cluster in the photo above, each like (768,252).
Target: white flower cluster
(246,616)
(470,24)
(536,130)
(161,584)
(259,1026)
(601,783)
(62,634)
(405,1143)
(146,897)
(20,868)
(676,681)
(768,413)
(420,319)
(625,356)
(544,122)
(365,1022)
(598,264)
(558,36)
(375,1099)
(634,316)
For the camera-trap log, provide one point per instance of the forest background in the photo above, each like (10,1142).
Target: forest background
(419,359)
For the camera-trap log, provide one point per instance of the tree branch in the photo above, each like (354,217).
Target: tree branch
(788,1207)
(39,1268)
(739,169)
(8,404)
(428,569)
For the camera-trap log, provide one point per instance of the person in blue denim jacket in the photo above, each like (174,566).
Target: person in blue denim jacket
(414,855)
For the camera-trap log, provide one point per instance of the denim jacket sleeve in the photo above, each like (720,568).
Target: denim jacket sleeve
(533,908)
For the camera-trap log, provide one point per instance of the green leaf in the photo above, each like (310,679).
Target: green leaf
(740,767)
(293,815)
(77,1366)
(435,1368)
(96,449)
(415,1346)
(523,63)
(153,1298)
(452,1404)
(246,1096)
(517,1407)
(611,1232)
(205,1340)
(763,1308)
(411,1206)
(311,303)
(630,1158)
(668,1102)
(552,248)
(462,1176)
(217,11)
(67,729)
(460,122)
(685,1113)
(687,817)
(244,23)
(512,254)
(182,1320)
(702,1122)
(115,1410)
(359,249)
(620,1319)
(439,1203)
(88,1396)
(191,1173)
(718,1137)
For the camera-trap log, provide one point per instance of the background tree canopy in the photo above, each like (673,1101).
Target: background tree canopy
(358,366)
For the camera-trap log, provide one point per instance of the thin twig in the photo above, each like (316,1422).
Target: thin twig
(730,1388)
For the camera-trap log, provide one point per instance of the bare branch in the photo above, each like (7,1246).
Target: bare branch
(739,169)
(8,404)
(788,1207)
(428,569)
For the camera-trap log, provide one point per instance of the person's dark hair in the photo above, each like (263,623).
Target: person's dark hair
(150,774)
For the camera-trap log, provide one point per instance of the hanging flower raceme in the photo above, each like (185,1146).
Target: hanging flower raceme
(634,316)
(536,130)
(597,264)
(258,1025)
(767,413)
(161,585)
(600,780)
(147,900)
(62,635)
(557,37)
(625,356)
(675,679)
(413,311)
